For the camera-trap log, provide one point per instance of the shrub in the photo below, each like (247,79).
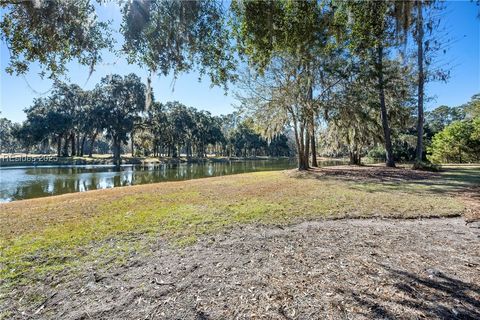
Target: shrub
(459,142)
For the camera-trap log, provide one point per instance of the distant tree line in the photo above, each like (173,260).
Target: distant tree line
(70,122)
(452,134)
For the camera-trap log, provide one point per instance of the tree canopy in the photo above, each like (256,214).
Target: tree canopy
(52,33)
(176,36)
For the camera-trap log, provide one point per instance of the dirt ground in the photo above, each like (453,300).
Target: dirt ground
(335,269)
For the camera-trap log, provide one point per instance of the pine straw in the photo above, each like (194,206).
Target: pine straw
(342,269)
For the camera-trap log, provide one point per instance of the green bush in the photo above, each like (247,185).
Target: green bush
(459,142)
(377,153)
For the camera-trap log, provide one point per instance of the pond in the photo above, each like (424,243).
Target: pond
(18,183)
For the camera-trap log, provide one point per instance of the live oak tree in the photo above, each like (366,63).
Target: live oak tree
(71,100)
(157,124)
(246,141)
(205,131)
(123,99)
(45,121)
(58,117)
(95,118)
(179,122)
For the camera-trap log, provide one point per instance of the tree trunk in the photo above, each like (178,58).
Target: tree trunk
(174,152)
(311,140)
(72,138)
(390,162)
(82,145)
(352,157)
(307,146)
(355,158)
(301,149)
(59,146)
(77,141)
(189,149)
(297,143)
(421,82)
(132,147)
(300,142)
(314,149)
(92,142)
(116,151)
(65,147)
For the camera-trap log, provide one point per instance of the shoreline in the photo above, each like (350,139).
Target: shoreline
(72,161)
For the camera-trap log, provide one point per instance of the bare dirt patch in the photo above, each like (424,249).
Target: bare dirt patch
(355,269)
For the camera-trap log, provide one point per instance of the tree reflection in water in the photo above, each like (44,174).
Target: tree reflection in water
(32,182)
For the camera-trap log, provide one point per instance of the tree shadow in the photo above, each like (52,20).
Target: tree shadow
(434,295)
(453,180)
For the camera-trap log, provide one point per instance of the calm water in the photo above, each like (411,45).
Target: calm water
(32,182)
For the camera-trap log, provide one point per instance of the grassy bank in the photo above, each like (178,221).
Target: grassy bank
(13,160)
(48,236)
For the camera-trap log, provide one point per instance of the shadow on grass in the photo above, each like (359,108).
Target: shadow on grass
(452,180)
(433,295)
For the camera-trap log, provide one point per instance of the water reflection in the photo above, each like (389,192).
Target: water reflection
(33,182)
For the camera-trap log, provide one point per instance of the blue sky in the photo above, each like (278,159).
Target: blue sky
(463,57)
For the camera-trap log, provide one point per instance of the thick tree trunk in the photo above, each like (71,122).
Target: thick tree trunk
(355,158)
(352,158)
(421,82)
(390,162)
(301,146)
